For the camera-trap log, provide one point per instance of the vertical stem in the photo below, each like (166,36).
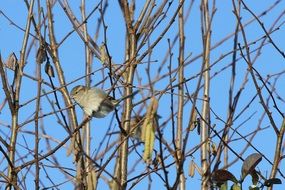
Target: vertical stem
(38,102)
(76,141)
(277,153)
(18,78)
(127,112)
(87,129)
(279,133)
(205,109)
(231,90)
(131,60)
(180,98)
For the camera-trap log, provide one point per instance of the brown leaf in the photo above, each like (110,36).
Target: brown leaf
(249,164)
(221,176)
(213,149)
(191,171)
(12,61)
(49,70)
(194,121)
(103,54)
(272,181)
(254,177)
(41,55)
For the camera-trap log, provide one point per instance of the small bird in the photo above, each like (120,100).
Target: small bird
(94,101)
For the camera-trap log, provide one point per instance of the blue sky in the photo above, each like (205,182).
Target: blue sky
(71,54)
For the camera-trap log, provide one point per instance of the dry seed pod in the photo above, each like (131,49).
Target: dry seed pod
(149,127)
(49,70)
(213,149)
(193,124)
(104,57)
(191,171)
(12,61)
(137,126)
(41,55)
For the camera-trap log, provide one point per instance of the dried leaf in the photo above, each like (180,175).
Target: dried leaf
(221,176)
(41,55)
(12,61)
(49,70)
(191,171)
(254,177)
(272,181)
(103,54)
(194,120)
(213,149)
(249,164)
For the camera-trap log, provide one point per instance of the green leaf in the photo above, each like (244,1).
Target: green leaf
(249,164)
(235,187)
(223,186)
